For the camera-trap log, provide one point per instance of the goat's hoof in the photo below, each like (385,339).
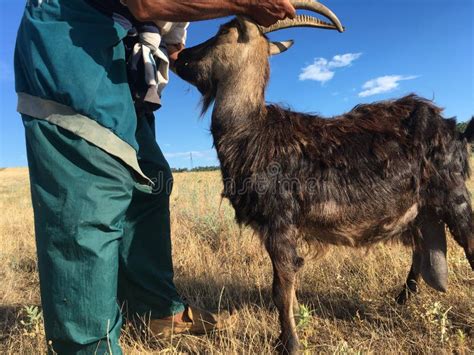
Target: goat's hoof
(287,347)
(404,296)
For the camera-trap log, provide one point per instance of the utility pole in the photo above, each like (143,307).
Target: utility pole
(191,158)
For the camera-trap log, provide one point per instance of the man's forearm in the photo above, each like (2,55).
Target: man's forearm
(184,10)
(265,12)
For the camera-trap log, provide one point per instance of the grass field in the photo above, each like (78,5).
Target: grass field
(348,295)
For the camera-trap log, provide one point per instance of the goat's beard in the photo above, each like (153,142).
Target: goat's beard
(208,92)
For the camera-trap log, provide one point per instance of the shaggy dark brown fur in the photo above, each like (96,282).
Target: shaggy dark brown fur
(384,171)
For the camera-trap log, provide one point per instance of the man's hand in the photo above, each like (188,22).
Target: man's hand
(173,51)
(267,12)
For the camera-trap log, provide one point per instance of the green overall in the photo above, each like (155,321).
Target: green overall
(102,232)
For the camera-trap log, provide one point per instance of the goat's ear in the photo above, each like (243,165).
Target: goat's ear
(280,47)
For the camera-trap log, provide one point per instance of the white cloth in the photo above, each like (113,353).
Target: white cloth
(152,47)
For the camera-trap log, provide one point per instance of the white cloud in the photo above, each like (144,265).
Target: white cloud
(317,71)
(322,70)
(383,84)
(205,154)
(343,60)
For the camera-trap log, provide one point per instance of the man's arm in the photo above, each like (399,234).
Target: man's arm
(265,12)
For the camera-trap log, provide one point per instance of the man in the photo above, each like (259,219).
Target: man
(99,182)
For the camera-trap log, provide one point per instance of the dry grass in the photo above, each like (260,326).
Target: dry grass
(348,294)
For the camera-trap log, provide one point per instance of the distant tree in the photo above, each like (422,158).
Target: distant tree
(206,168)
(461,126)
(198,168)
(179,170)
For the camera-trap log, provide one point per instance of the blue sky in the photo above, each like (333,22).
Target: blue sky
(390,48)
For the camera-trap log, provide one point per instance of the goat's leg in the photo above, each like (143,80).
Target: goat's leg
(460,220)
(286,263)
(296,305)
(411,284)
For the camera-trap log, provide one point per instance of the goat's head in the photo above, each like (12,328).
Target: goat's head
(240,45)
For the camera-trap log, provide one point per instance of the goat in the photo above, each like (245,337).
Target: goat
(392,170)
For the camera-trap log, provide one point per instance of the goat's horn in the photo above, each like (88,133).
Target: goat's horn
(307,21)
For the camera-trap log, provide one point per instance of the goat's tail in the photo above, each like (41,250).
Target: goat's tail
(469,131)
